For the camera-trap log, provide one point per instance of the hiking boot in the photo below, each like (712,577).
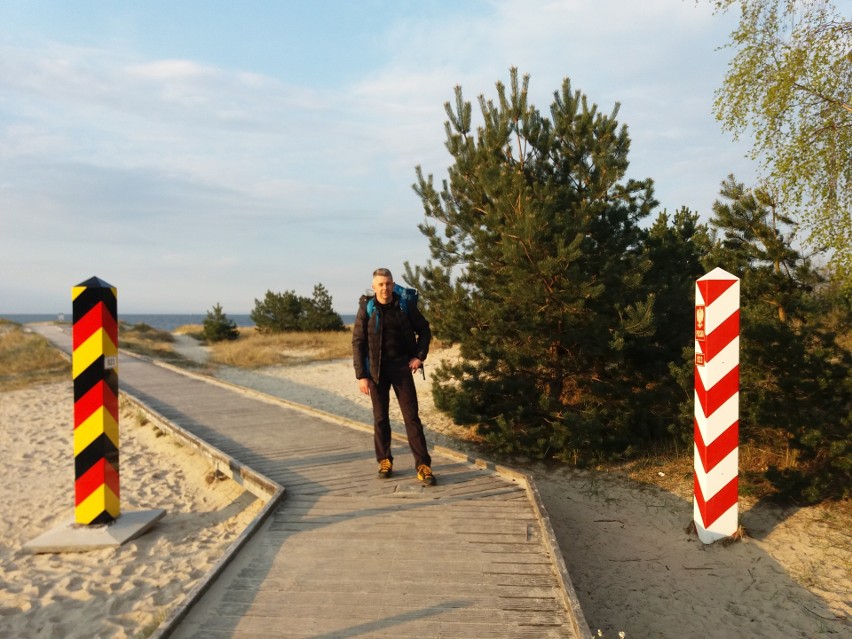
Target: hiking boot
(424,474)
(385,468)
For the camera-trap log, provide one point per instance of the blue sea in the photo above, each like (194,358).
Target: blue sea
(159,321)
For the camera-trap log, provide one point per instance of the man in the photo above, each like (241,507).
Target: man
(390,340)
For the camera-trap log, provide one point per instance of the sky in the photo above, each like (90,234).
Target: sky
(204,152)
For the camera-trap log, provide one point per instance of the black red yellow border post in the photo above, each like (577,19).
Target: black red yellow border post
(95,372)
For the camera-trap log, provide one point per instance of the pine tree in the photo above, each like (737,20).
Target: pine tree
(218,326)
(288,312)
(319,312)
(676,245)
(795,380)
(278,312)
(536,271)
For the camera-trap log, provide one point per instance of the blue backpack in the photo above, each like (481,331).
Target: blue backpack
(407,298)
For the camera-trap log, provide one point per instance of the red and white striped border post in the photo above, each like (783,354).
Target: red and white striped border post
(717,380)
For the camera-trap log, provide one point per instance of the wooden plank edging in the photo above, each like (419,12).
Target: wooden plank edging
(259,485)
(569,595)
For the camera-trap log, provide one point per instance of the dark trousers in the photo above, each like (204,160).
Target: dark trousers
(402,381)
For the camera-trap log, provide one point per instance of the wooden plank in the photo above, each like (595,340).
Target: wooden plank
(480,600)
(393,628)
(245,591)
(455,612)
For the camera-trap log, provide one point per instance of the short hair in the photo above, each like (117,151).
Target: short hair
(382,272)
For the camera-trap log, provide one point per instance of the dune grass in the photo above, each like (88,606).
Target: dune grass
(28,359)
(143,339)
(194,330)
(251,350)
(254,350)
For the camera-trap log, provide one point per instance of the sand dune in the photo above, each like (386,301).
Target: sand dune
(110,592)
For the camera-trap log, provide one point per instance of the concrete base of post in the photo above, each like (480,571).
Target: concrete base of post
(73,537)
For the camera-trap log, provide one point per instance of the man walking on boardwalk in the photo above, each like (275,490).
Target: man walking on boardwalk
(390,340)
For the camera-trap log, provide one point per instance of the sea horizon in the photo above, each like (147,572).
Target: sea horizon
(161,321)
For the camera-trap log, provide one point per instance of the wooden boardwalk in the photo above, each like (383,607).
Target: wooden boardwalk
(346,554)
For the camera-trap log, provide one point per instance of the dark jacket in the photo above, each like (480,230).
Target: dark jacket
(367,336)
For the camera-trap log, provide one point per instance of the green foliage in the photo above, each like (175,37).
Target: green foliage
(288,312)
(319,312)
(278,312)
(794,374)
(789,86)
(218,327)
(537,272)
(676,247)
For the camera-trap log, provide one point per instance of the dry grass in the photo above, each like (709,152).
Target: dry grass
(257,350)
(27,359)
(196,330)
(148,341)
(672,470)
(251,350)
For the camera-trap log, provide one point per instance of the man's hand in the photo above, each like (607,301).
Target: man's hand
(365,384)
(414,364)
